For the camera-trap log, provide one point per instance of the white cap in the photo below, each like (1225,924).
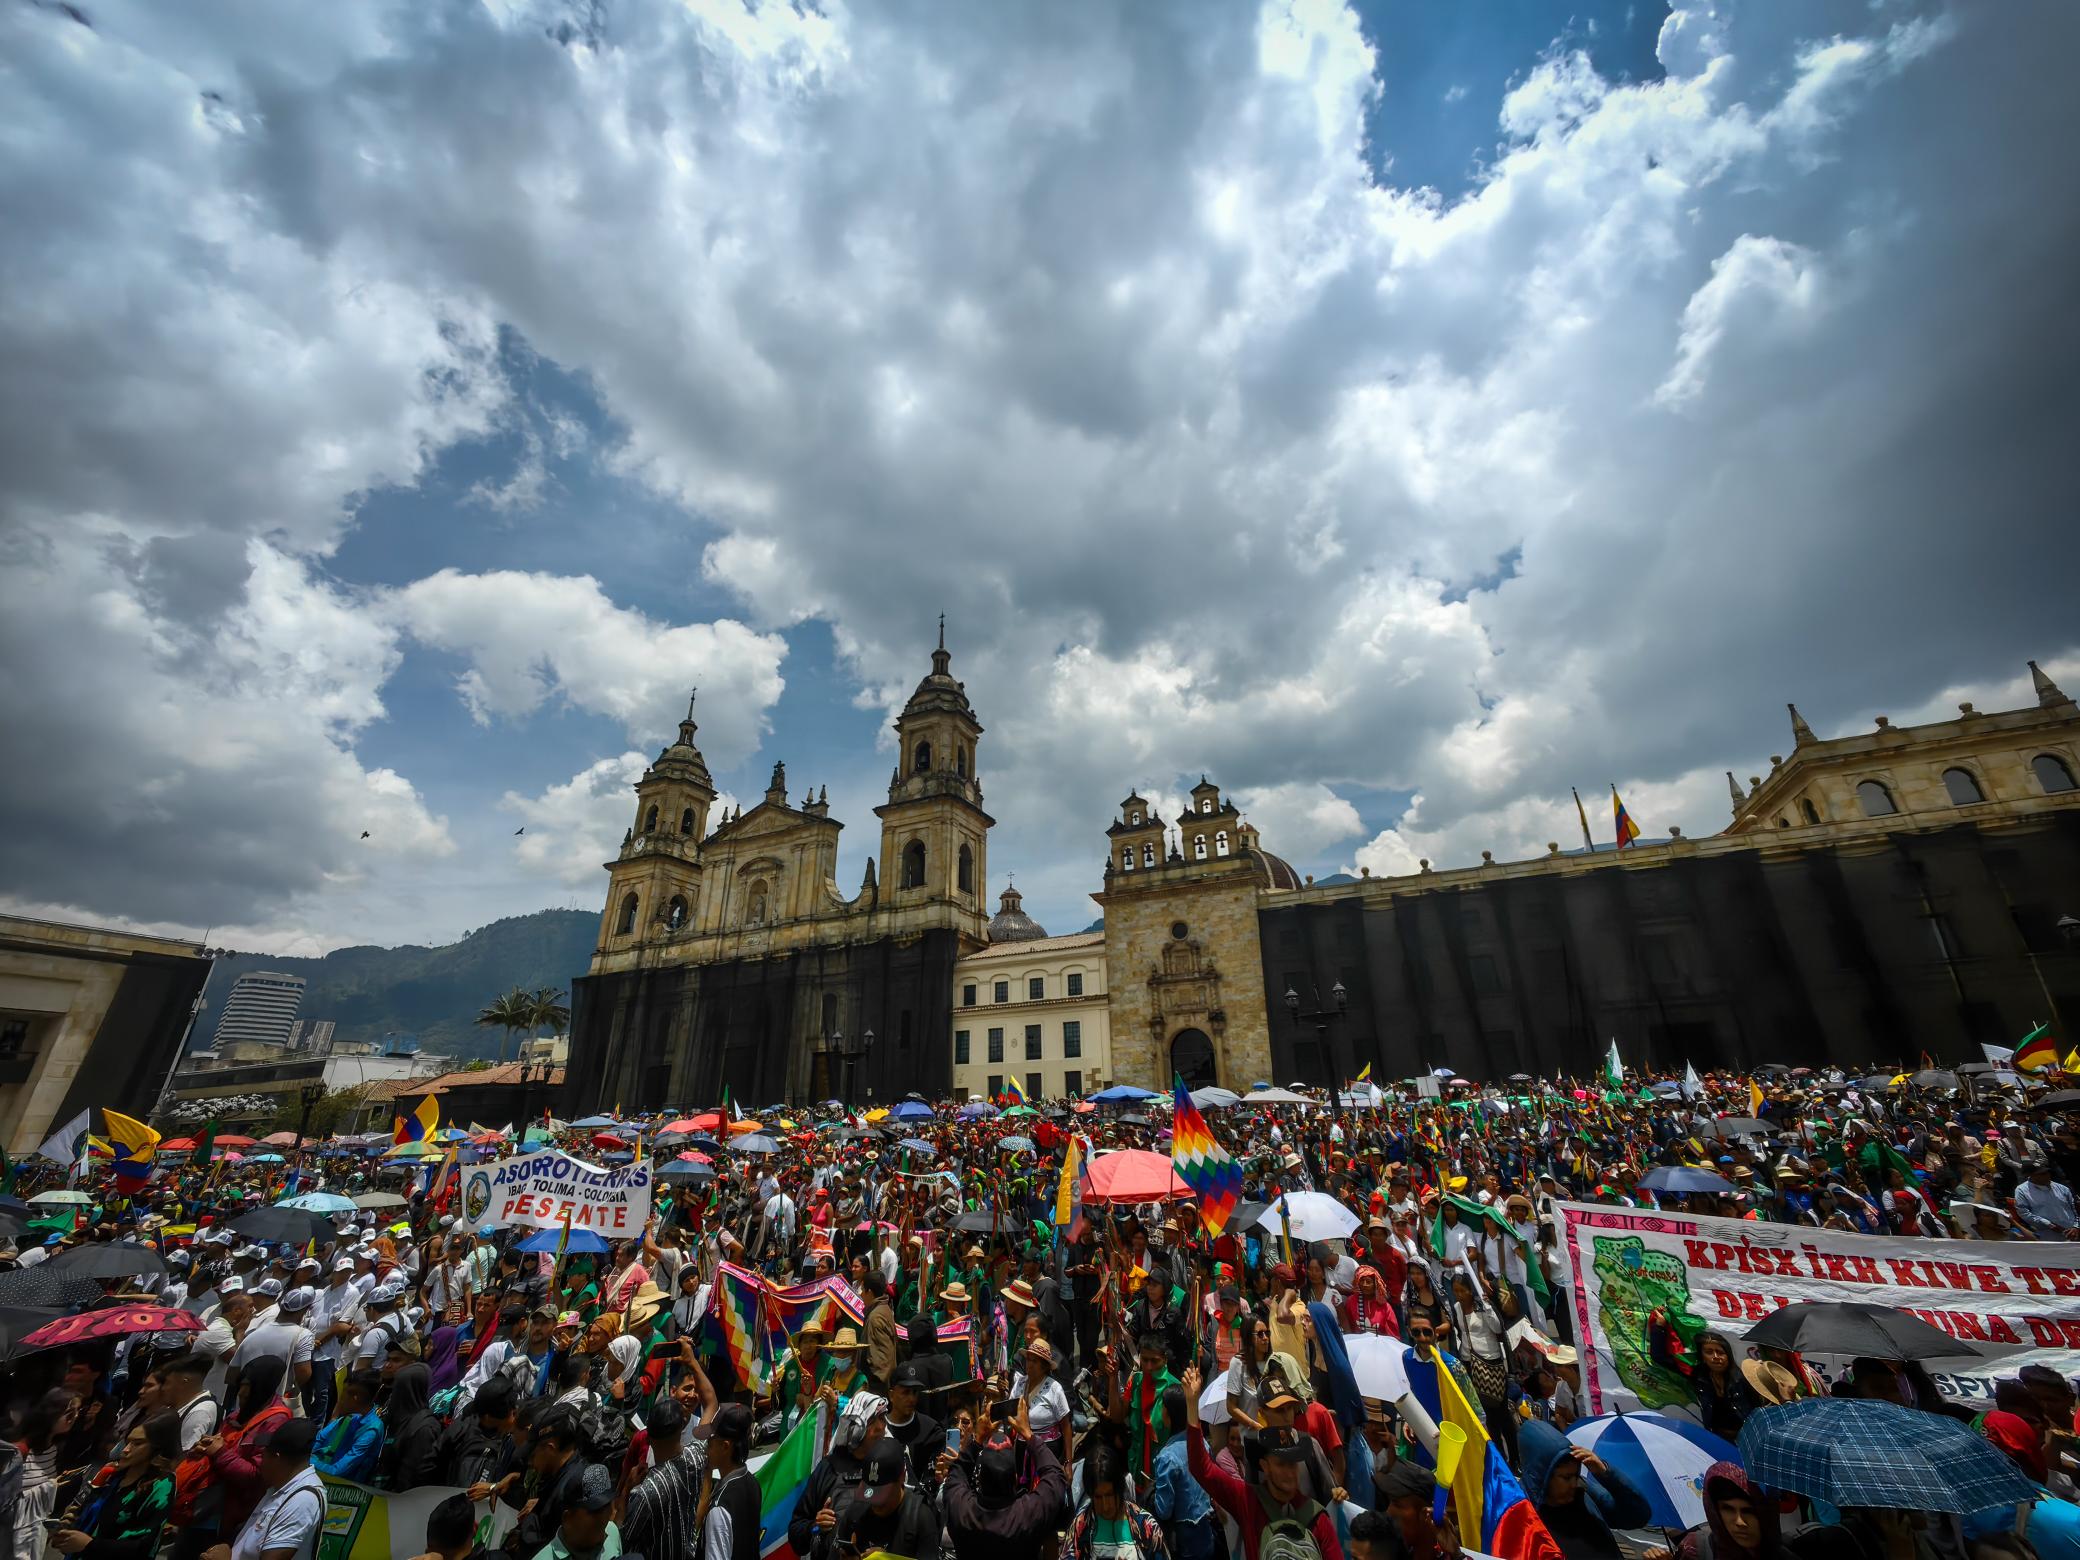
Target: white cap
(256,1253)
(218,1237)
(447,1221)
(297,1299)
(342,1264)
(312,1263)
(270,1287)
(234,1285)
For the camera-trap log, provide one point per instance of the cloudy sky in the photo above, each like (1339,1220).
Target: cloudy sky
(1400,412)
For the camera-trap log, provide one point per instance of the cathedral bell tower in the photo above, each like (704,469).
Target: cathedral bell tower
(934,833)
(654,884)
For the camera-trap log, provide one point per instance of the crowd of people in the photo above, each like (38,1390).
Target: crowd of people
(1128,1386)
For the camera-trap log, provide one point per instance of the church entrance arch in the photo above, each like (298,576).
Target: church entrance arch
(1192,1059)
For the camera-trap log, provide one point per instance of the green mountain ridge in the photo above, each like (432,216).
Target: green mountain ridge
(433,993)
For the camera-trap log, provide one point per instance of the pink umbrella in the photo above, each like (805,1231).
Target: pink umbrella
(114,1322)
(1134,1175)
(280,1139)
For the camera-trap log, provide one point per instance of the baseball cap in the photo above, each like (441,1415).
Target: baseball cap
(234,1285)
(270,1287)
(179,1258)
(595,1490)
(297,1299)
(342,1264)
(883,1468)
(908,1374)
(312,1263)
(1282,1442)
(733,1422)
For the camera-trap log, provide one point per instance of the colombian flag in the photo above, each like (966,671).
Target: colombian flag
(2037,1052)
(132,1146)
(1203,1165)
(1493,1513)
(1013,1093)
(1628,831)
(420,1124)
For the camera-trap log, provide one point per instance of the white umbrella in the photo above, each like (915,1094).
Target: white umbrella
(1275,1097)
(1213,1402)
(1380,1365)
(1214,1097)
(75,1199)
(1308,1216)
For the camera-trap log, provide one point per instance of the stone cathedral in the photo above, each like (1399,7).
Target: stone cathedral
(729,956)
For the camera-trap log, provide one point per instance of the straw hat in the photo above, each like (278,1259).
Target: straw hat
(1019,1292)
(1771,1381)
(846,1339)
(645,1303)
(955,1293)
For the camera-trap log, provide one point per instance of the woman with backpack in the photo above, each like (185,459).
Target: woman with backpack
(412,1453)
(229,1481)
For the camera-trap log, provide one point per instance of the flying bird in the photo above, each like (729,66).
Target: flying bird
(521,830)
(364,834)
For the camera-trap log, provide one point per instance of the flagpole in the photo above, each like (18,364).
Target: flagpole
(1582,813)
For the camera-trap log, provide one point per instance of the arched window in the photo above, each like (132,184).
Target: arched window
(650,820)
(913,864)
(1126,859)
(1206,804)
(675,913)
(755,903)
(1963,788)
(966,870)
(2052,773)
(921,760)
(627,923)
(1220,842)
(1199,847)
(1806,806)
(686,821)
(1148,854)
(1877,801)
(1783,823)
(1135,816)
(960,762)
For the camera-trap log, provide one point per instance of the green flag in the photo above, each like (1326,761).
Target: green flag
(1613,1069)
(205,1143)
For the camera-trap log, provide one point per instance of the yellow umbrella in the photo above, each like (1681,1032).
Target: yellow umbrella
(420,1150)
(1898,1078)
(786,1125)
(877,1115)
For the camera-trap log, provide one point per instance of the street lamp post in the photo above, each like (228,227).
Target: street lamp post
(311,1093)
(1338,1006)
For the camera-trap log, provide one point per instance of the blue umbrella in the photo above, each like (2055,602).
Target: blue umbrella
(917,1146)
(755,1143)
(686,1170)
(581,1242)
(1121,1093)
(597,1121)
(911,1110)
(1663,1458)
(618,1157)
(1015,1145)
(319,1202)
(976,1109)
(1857,1452)
(1681,1178)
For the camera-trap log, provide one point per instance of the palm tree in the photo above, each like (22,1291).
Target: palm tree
(547,1006)
(512,1012)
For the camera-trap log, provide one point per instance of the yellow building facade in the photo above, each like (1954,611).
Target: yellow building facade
(1031,1007)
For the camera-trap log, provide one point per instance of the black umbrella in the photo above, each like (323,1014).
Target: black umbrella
(292,1226)
(1851,1327)
(39,1286)
(111,1261)
(1739,1126)
(18,1321)
(1132,1120)
(981,1221)
(2059,1099)
(1774,1069)
(917,1097)
(1933,1078)
(15,1206)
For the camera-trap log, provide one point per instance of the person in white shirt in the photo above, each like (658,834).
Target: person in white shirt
(267,1296)
(184,1392)
(335,1317)
(448,1288)
(383,1329)
(216,1341)
(286,1523)
(285,1338)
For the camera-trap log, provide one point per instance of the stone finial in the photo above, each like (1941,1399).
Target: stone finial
(1884,722)
(1776,761)
(1423,862)
(1674,832)
(1966,708)
(2048,692)
(1754,782)
(1734,786)
(1552,847)
(1365,872)
(1801,733)
(1487,858)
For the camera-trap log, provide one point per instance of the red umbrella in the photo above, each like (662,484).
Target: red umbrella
(114,1322)
(1134,1175)
(178,1145)
(280,1139)
(706,1121)
(607,1140)
(694,1156)
(683,1124)
(233,1140)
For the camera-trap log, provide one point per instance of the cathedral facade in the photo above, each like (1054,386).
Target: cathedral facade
(730,959)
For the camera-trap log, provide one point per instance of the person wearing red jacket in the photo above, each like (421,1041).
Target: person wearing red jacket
(1278,1494)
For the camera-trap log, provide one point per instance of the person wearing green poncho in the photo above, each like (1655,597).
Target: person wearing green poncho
(1137,1401)
(806,1370)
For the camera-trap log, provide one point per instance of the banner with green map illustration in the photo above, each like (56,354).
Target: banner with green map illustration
(1647,1285)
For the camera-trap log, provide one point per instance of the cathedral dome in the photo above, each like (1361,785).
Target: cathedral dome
(1011,924)
(1275,871)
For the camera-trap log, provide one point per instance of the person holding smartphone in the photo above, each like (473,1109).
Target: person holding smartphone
(1003,1493)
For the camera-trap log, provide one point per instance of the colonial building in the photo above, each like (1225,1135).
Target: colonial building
(1031,1007)
(1182,949)
(88,1016)
(1878,894)
(728,956)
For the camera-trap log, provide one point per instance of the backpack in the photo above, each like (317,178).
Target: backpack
(603,1433)
(1288,1535)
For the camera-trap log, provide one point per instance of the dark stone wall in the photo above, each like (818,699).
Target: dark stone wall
(651,1038)
(134,1048)
(1868,952)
